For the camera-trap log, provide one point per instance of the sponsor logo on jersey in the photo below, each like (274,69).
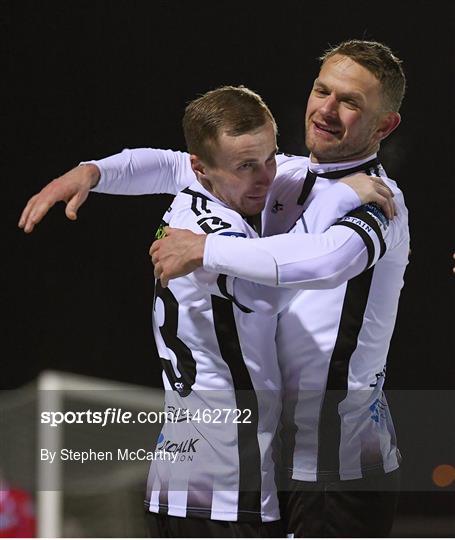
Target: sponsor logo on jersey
(184,450)
(377,409)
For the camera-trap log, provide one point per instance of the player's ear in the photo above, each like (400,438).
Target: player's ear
(198,167)
(388,123)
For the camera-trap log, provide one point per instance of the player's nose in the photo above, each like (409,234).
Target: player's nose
(329,107)
(265,176)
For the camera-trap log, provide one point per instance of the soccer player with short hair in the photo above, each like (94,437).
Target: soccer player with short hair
(216,337)
(332,345)
(340,451)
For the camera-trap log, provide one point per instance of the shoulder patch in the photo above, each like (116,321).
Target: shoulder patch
(377,212)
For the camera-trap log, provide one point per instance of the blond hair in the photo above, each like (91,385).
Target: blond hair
(234,110)
(381,62)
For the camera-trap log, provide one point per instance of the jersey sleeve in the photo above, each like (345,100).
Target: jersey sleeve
(226,224)
(144,171)
(306,261)
(328,206)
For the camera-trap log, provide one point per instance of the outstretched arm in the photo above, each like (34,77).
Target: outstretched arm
(132,172)
(144,171)
(301,260)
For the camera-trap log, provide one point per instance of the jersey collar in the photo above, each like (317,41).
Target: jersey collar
(323,168)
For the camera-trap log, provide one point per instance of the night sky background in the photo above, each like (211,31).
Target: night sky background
(85,79)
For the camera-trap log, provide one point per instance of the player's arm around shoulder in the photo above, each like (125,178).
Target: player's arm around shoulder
(382,236)
(248,296)
(214,220)
(191,217)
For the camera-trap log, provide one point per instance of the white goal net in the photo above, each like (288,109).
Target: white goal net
(82,447)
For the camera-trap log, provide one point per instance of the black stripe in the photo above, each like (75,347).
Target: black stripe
(308,184)
(248,445)
(199,497)
(369,244)
(365,216)
(221,282)
(163,502)
(354,305)
(255,222)
(335,175)
(288,432)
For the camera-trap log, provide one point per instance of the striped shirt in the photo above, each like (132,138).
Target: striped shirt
(222,386)
(332,344)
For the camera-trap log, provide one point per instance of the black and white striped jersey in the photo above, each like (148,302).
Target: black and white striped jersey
(332,348)
(332,344)
(222,384)
(216,340)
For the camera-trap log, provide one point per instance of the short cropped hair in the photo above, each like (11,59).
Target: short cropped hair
(234,110)
(381,62)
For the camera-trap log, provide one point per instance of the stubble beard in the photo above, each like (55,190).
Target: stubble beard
(340,151)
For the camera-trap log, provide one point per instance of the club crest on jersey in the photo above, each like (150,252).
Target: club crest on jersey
(277,207)
(213,224)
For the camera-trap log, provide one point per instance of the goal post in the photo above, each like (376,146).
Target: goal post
(61,481)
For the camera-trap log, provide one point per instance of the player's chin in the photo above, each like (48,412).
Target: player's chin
(253,206)
(325,151)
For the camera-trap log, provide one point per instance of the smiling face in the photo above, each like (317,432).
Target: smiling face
(243,169)
(345,118)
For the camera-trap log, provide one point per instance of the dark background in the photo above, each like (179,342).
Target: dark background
(85,79)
